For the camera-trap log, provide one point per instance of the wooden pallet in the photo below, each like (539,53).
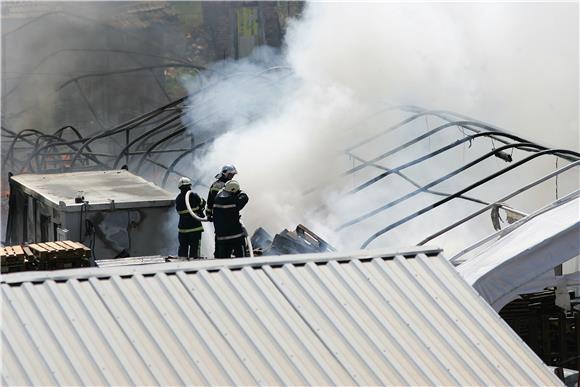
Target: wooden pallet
(45,256)
(12,255)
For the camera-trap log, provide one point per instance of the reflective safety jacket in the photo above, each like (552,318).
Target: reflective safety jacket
(213,191)
(188,223)
(226,215)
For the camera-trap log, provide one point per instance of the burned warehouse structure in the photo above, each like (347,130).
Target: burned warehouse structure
(371,220)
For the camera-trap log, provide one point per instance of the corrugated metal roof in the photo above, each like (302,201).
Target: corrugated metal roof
(369,318)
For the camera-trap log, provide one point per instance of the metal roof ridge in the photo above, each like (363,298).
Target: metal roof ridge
(213,264)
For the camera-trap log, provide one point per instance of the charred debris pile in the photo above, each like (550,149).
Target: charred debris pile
(300,241)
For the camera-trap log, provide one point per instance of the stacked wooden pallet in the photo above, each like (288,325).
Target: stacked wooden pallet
(12,258)
(45,256)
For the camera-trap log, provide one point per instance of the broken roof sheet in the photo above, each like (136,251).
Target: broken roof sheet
(98,187)
(367,318)
(521,258)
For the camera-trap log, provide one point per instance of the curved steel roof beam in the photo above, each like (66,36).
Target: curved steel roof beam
(157,130)
(38,151)
(463,124)
(131,124)
(118,129)
(467,189)
(398,149)
(504,231)
(96,50)
(444,113)
(110,132)
(156,144)
(40,136)
(72,80)
(20,135)
(429,185)
(384,155)
(107,133)
(49,137)
(499,201)
(493,132)
(417,185)
(388,171)
(157,163)
(83,17)
(26,109)
(391,128)
(180,157)
(124,71)
(146,135)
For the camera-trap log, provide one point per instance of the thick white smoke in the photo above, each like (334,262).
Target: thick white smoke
(513,65)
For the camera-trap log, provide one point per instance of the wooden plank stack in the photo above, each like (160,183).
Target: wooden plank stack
(12,259)
(45,256)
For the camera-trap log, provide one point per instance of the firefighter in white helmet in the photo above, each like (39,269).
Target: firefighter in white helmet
(189,228)
(228,172)
(230,235)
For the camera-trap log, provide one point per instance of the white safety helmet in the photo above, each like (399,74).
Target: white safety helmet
(229,169)
(232,186)
(183,182)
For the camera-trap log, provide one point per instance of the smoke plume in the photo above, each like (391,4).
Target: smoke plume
(282,117)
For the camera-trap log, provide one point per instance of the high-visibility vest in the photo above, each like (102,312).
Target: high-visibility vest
(226,214)
(188,223)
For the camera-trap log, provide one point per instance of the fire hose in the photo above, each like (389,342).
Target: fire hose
(202,219)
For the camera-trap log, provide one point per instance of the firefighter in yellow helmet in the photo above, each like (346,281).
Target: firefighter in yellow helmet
(230,235)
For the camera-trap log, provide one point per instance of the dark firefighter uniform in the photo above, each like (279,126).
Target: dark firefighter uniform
(189,228)
(213,191)
(229,233)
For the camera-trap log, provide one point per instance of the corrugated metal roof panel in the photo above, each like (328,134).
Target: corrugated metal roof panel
(376,319)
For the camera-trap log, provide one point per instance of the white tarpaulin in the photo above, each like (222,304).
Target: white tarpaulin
(522,261)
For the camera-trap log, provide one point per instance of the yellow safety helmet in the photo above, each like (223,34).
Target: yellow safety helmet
(232,186)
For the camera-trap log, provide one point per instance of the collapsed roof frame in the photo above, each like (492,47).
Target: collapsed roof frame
(464,190)
(499,202)
(177,58)
(468,123)
(79,149)
(171,122)
(171,118)
(457,257)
